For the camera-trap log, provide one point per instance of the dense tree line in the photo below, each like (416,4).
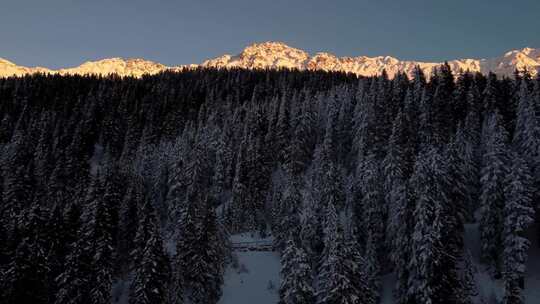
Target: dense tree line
(107,180)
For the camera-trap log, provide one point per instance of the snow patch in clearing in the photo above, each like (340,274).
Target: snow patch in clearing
(253,277)
(387,289)
(256,280)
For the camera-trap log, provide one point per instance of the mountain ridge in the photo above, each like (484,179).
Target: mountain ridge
(274,55)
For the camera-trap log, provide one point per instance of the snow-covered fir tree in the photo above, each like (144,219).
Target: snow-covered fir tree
(297,282)
(151,278)
(494,172)
(431,276)
(518,215)
(338,280)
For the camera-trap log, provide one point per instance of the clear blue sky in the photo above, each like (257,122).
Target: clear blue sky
(59,33)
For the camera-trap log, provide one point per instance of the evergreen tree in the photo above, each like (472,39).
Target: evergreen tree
(465,164)
(373,267)
(74,283)
(98,229)
(491,94)
(219,178)
(442,102)
(459,194)
(186,254)
(492,198)
(337,286)
(518,214)
(331,226)
(128,225)
(399,228)
(375,210)
(361,272)
(238,218)
(428,135)
(296,284)
(16,196)
(214,253)
(258,179)
(310,238)
(145,229)
(283,129)
(288,215)
(431,280)
(199,262)
(26,276)
(152,270)
(526,134)
(58,246)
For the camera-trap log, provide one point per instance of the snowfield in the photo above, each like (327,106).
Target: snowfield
(255,278)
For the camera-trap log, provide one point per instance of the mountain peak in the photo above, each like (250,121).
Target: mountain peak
(269,54)
(269,45)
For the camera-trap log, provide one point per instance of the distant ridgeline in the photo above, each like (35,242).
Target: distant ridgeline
(140,181)
(277,55)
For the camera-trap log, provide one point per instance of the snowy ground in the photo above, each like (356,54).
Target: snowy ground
(491,288)
(120,290)
(388,283)
(254,278)
(532,281)
(487,287)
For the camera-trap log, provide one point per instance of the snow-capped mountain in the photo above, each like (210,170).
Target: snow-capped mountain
(8,68)
(279,55)
(123,67)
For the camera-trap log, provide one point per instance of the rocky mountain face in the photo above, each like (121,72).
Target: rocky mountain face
(273,55)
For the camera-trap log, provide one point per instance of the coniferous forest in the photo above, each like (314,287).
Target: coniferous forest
(143,180)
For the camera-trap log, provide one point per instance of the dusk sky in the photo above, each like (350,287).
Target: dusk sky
(61,33)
